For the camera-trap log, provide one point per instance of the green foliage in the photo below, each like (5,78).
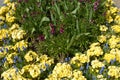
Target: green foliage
(60,28)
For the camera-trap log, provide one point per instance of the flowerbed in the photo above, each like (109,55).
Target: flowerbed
(59,40)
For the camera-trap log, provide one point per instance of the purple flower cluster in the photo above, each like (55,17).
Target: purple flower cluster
(96,4)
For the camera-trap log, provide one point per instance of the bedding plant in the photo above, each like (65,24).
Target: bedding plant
(59,40)
(60,28)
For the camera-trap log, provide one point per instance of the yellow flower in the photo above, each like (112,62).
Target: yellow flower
(10,19)
(103,28)
(96,64)
(10,57)
(30,56)
(102,38)
(14,27)
(25,69)
(77,75)
(116,28)
(6,1)
(114,71)
(21,45)
(34,71)
(113,41)
(109,19)
(117,19)
(3,10)
(3,34)
(62,70)
(109,57)
(2,18)
(95,51)
(113,10)
(17,34)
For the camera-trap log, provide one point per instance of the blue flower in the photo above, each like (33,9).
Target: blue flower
(87,66)
(3,60)
(67,59)
(112,61)
(101,70)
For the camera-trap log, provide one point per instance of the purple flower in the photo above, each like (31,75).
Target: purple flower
(19,1)
(41,37)
(52,30)
(61,30)
(96,4)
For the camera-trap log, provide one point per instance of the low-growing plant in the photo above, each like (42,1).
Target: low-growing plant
(63,27)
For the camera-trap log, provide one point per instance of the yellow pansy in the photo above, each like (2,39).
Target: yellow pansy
(96,64)
(3,10)
(34,71)
(77,75)
(21,45)
(117,19)
(10,19)
(109,57)
(2,18)
(103,28)
(102,38)
(113,10)
(17,34)
(62,70)
(4,33)
(10,57)
(116,28)
(14,27)
(114,71)
(30,56)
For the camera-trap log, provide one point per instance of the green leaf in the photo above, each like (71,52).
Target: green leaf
(76,9)
(43,20)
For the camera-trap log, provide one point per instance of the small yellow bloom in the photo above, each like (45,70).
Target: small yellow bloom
(14,27)
(103,28)
(3,10)
(30,56)
(21,45)
(116,28)
(109,57)
(117,19)
(102,38)
(17,34)
(96,64)
(10,19)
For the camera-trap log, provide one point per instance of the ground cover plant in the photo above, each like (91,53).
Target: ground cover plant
(59,40)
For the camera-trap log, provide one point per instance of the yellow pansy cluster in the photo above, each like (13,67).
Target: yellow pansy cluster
(13,74)
(101,77)
(20,45)
(111,11)
(95,50)
(60,71)
(97,64)
(64,71)
(3,34)
(116,28)
(78,75)
(114,41)
(102,38)
(117,19)
(79,59)
(108,57)
(114,71)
